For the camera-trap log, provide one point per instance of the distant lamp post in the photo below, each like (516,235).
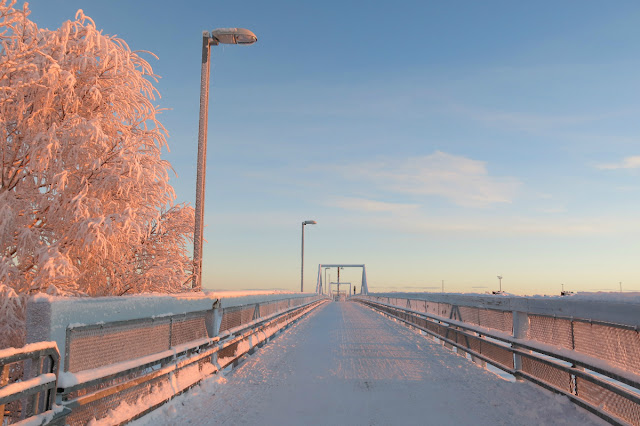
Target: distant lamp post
(306,222)
(500,281)
(213,38)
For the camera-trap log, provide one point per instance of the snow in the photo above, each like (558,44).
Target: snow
(31,347)
(618,297)
(618,308)
(18,387)
(187,377)
(240,293)
(49,317)
(604,296)
(67,379)
(346,364)
(42,418)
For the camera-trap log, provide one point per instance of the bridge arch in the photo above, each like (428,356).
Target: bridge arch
(320,288)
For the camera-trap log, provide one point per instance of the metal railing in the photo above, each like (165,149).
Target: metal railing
(595,363)
(146,362)
(28,384)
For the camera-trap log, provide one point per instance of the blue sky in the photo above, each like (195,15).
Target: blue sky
(430,140)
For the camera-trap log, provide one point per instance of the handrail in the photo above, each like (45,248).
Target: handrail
(35,391)
(82,390)
(131,366)
(549,361)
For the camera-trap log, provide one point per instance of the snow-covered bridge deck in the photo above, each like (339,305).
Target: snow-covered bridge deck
(346,364)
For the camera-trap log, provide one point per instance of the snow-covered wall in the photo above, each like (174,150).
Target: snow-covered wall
(49,317)
(619,308)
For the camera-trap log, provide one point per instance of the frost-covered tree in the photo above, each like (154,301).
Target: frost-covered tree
(12,310)
(85,201)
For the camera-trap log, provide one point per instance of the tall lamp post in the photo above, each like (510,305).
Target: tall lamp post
(213,38)
(306,222)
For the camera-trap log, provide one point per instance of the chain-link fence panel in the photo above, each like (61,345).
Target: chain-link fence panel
(497,353)
(498,320)
(96,346)
(556,377)
(608,401)
(236,316)
(469,315)
(550,330)
(188,329)
(619,346)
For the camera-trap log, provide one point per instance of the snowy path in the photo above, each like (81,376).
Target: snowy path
(347,365)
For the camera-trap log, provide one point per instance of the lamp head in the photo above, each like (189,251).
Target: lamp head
(309,222)
(233,36)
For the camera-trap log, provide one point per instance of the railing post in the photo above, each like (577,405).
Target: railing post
(4,379)
(520,331)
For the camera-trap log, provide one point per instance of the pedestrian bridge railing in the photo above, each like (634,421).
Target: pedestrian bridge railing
(586,350)
(28,384)
(122,357)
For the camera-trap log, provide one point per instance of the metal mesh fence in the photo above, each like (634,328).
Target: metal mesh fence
(239,315)
(550,330)
(608,401)
(547,373)
(94,347)
(469,315)
(183,329)
(497,353)
(236,316)
(10,374)
(99,408)
(417,305)
(271,308)
(228,352)
(498,320)
(188,329)
(474,344)
(14,370)
(437,328)
(433,308)
(103,385)
(616,345)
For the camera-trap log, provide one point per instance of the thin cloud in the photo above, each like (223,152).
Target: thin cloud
(632,162)
(507,226)
(463,181)
(363,204)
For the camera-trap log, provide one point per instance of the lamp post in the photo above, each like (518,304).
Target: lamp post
(306,222)
(213,38)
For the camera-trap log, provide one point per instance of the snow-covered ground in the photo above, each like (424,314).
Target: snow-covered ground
(345,364)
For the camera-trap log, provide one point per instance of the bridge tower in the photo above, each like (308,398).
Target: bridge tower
(364,289)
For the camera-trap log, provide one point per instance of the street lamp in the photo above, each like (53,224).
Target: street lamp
(306,222)
(213,38)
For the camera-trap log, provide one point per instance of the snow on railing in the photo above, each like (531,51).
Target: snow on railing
(124,356)
(587,350)
(28,384)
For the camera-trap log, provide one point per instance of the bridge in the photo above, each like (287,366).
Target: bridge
(292,359)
